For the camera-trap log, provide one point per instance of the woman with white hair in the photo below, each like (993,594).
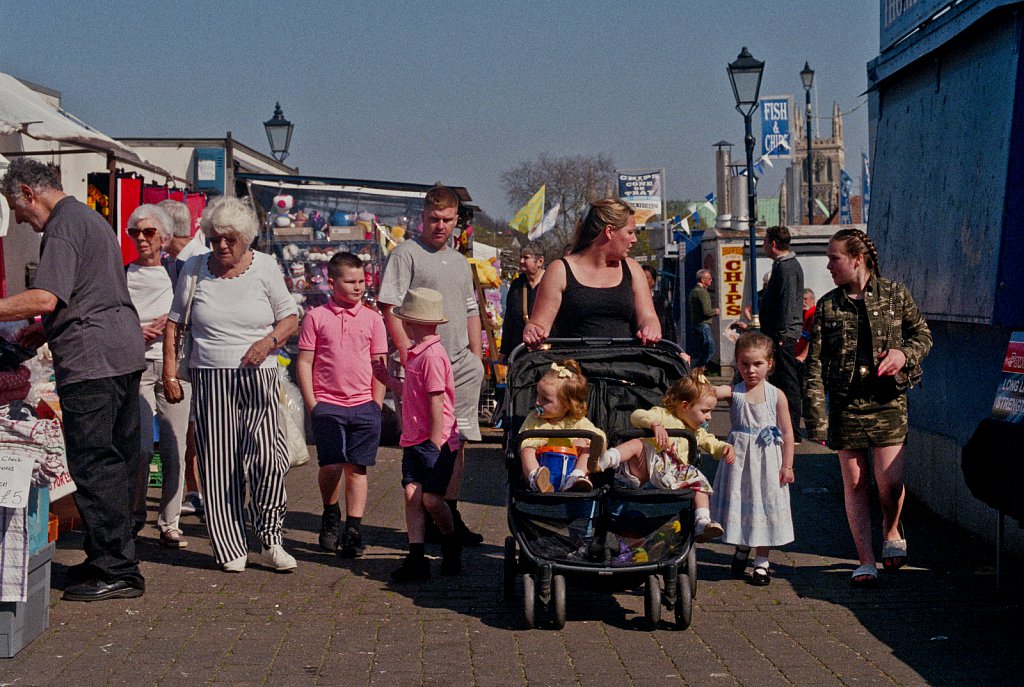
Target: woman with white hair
(149,286)
(240,312)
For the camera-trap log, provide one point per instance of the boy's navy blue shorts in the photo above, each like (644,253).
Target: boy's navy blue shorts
(427,466)
(346,435)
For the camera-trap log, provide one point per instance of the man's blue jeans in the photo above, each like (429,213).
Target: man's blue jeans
(101,430)
(703,345)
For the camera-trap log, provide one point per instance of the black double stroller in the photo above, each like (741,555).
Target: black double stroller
(610,537)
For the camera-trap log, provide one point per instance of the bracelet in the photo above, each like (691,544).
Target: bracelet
(786,468)
(274,340)
(170,379)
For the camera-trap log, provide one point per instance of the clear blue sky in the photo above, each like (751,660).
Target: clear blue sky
(457,91)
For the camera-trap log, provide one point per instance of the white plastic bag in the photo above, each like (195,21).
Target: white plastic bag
(293,420)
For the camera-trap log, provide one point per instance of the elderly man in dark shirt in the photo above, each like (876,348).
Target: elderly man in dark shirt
(98,357)
(782,314)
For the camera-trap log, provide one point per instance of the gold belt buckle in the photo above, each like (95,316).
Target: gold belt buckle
(863,371)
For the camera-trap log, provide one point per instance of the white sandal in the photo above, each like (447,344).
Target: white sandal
(869,571)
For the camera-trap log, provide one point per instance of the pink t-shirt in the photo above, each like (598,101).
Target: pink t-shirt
(428,370)
(343,341)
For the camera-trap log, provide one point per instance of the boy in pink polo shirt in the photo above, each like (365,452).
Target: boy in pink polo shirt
(337,346)
(430,434)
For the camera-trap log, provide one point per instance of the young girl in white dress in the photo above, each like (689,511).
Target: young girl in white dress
(751,496)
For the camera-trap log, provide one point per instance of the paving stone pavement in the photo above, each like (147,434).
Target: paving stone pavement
(333,622)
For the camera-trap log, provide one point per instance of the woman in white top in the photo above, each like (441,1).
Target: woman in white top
(241,311)
(149,286)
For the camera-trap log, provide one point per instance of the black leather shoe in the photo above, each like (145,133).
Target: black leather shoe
(98,590)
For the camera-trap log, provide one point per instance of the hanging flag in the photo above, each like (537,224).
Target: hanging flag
(709,202)
(845,184)
(684,225)
(759,170)
(767,160)
(530,215)
(865,192)
(547,224)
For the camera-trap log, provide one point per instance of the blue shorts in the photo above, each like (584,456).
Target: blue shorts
(428,467)
(346,435)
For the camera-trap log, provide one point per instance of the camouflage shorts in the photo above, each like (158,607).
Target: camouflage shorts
(868,422)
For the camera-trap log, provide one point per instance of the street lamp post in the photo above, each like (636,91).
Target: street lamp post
(807,76)
(745,75)
(279,133)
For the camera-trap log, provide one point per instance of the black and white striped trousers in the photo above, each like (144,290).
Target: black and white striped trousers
(240,442)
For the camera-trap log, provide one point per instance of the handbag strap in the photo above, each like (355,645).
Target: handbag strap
(526,311)
(193,278)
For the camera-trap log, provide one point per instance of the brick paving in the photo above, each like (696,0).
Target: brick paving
(333,622)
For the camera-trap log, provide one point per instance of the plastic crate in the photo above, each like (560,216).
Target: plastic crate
(21,622)
(156,471)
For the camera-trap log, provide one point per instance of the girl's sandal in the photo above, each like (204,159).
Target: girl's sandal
(864,577)
(760,577)
(894,552)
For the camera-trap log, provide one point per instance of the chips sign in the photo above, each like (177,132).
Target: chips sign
(642,190)
(775,140)
(1009,402)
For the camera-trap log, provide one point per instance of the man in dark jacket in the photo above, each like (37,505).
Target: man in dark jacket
(782,317)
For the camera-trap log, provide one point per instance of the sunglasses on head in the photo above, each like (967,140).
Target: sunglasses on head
(148,232)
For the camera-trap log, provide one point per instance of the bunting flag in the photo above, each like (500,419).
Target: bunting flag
(530,215)
(546,224)
(865,191)
(845,184)
(709,202)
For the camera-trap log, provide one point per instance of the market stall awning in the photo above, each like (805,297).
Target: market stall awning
(23,111)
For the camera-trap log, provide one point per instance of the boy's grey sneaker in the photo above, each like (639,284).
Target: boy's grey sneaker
(351,543)
(193,504)
(330,524)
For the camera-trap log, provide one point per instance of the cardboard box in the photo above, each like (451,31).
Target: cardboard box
(353,233)
(21,622)
(291,233)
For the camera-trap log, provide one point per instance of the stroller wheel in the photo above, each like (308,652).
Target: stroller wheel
(684,603)
(509,581)
(529,601)
(691,570)
(652,602)
(558,596)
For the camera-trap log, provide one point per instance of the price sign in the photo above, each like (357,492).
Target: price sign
(15,478)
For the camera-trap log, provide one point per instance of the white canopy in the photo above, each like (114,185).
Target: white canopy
(24,111)
(3,203)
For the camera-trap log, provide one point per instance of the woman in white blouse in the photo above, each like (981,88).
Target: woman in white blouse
(149,286)
(241,311)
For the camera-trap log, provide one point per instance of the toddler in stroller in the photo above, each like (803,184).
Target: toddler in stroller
(561,404)
(661,462)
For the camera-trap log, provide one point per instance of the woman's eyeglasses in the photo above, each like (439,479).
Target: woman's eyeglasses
(148,232)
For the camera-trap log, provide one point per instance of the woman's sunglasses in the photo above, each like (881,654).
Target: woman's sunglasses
(148,232)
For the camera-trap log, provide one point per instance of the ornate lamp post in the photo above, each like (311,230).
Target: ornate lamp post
(807,76)
(745,75)
(279,133)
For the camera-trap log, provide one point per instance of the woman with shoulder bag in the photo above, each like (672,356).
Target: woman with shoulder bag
(866,348)
(236,310)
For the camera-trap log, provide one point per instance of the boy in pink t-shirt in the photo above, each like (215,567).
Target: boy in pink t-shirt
(429,434)
(337,346)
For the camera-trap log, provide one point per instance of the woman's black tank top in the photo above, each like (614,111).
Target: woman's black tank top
(588,311)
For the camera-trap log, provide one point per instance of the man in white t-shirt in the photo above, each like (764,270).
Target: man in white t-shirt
(428,261)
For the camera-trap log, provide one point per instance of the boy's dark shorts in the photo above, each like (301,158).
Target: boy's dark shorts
(427,466)
(346,435)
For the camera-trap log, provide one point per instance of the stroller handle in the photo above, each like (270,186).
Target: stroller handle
(581,341)
(596,440)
